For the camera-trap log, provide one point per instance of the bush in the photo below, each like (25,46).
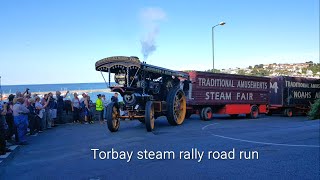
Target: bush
(314,112)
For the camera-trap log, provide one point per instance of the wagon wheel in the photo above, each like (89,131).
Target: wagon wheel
(288,112)
(176,106)
(112,117)
(149,116)
(254,112)
(206,113)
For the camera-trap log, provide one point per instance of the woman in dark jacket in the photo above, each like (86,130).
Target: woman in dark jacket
(12,129)
(34,121)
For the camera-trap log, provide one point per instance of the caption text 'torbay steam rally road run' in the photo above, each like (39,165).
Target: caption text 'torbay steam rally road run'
(193,154)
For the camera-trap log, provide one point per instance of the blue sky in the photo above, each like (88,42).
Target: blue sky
(59,41)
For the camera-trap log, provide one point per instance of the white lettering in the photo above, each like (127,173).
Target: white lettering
(94,153)
(218,96)
(301,95)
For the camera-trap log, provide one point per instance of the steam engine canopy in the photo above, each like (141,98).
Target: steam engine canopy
(117,63)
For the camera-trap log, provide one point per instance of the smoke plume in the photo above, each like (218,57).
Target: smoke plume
(151,19)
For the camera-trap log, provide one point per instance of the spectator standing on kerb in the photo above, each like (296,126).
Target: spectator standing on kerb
(105,104)
(34,122)
(91,106)
(75,107)
(86,109)
(44,101)
(60,107)
(83,107)
(99,109)
(12,130)
(49,111)
(52,111)
(21,120)
(40,110)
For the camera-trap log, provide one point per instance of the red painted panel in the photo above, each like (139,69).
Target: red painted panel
(238,108)
(262,109)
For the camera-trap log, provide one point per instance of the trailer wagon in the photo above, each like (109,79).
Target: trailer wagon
(216,93)
(292,95)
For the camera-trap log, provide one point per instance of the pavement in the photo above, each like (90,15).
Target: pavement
(276,147)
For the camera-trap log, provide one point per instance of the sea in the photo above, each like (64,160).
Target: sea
(92,89)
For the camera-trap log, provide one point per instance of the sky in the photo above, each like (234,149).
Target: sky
(59,41)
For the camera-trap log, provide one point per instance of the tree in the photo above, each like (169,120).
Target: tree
(250,67)
(304,70)
(241,72)
(314,112)
(214,70)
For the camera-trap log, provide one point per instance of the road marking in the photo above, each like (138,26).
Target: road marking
(259,142)
(267,143)
(209,125)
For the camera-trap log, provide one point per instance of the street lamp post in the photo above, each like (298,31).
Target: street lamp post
(220,24)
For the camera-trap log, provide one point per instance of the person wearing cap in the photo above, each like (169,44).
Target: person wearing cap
(21,120)
(100,108)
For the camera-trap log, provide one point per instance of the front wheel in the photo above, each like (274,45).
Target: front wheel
(254,112)
(149,116)
(207,113)
(112,117)
(176,107)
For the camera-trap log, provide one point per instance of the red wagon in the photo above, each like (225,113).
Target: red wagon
(216,93)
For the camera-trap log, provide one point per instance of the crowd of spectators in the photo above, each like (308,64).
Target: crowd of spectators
(25,114)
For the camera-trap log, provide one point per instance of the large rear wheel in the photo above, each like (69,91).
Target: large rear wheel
(176,107)
(112,117)
(149,116)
